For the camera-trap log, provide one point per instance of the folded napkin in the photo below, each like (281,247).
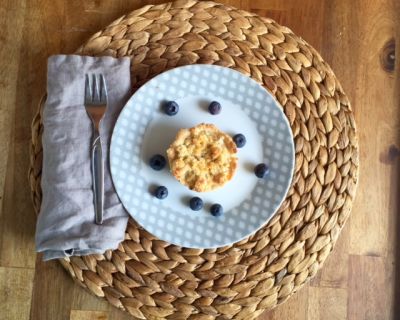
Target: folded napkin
(66,224)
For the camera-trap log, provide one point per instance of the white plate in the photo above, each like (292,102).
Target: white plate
(143,130)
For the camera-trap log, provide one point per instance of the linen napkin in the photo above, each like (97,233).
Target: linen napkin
(66,224)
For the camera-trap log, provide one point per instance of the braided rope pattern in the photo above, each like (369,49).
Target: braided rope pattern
(152,279)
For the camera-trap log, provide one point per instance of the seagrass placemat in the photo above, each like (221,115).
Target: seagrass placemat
(152,279)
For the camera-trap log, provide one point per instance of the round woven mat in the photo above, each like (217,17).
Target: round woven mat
(152,279)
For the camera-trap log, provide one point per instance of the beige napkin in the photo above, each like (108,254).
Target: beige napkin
(66,225)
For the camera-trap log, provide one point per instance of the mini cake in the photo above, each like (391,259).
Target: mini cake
(202,158)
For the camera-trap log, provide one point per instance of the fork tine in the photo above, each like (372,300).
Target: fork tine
(103,89)
(96,93)
(88,89)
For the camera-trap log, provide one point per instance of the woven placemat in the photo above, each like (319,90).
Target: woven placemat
(152,279)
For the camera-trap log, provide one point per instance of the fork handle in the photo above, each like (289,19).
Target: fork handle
(98,178)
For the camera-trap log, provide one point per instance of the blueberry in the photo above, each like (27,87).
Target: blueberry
(261,170)
(217,210)
(157,162)
(240,140)
(196,204)
(214,107)
(171,108)
(161,192)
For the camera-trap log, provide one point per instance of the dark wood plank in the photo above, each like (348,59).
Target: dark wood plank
(370,291)
(52,292)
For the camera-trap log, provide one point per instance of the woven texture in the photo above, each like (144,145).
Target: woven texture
(152,279)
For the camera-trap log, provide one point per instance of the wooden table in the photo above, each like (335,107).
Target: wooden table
(357,38)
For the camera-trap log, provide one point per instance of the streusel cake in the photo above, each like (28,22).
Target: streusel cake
(202,158)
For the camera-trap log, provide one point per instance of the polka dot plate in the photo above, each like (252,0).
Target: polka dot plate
(143,130)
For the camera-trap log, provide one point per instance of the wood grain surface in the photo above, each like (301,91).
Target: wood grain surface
(358,38)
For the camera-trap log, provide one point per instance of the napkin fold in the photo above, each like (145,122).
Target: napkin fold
(66,224)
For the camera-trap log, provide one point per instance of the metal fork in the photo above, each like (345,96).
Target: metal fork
(96,104)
